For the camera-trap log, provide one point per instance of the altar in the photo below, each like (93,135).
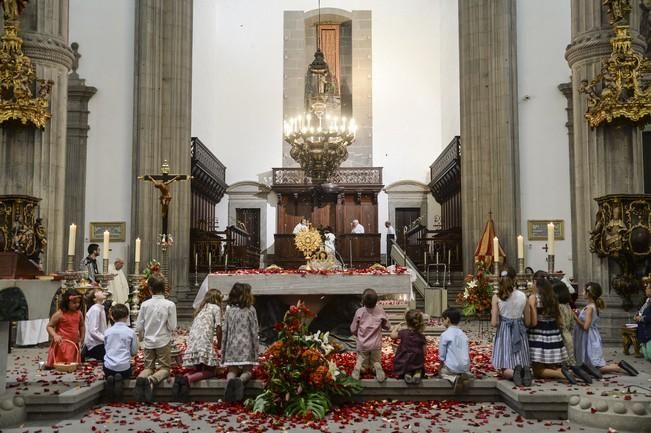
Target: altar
(312,284)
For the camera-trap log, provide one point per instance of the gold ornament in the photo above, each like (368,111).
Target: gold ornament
(617,92)
(17,75)
(308,241)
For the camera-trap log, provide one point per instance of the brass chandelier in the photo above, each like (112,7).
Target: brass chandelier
(319,139)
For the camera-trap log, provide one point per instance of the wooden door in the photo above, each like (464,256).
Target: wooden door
(251,220)
(404,217)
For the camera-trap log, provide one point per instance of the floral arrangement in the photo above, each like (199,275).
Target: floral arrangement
(477,295)
(308,241)
(143,291)
(274,269)
(300,375)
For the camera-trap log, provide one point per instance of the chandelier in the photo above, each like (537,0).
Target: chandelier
(319,138)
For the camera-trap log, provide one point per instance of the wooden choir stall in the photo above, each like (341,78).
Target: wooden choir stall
(352,194)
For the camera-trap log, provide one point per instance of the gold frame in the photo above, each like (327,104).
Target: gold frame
(98,227)
(538,226)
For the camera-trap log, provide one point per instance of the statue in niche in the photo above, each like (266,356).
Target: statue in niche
(615,231)
(13,8)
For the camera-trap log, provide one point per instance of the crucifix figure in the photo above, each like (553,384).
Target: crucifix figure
(162,183)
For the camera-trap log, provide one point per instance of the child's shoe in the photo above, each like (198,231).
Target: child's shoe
(409,378)
(591,370)
(109,388)
(527,378)
(234,390)
(139,390)
(117,390)
(149,390)
(517,375)
(628,368)
(582,374)
(458,385)
(418,376)
(176,388)
(379,373)
(568,375)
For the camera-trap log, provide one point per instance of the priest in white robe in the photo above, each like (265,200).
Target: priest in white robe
(119,286)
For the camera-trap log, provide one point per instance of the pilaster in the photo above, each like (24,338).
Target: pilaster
(489,123)
(162,114)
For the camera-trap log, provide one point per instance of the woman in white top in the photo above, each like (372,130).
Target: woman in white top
(511,347)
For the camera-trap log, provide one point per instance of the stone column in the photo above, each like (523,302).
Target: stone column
(33,161)
(489,123)
(603,160)
(75,197)
(162,114)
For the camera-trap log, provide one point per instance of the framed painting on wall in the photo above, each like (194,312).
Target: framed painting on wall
(537,229)
(117,231)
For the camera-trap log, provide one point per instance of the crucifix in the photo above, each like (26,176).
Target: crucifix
(162,182)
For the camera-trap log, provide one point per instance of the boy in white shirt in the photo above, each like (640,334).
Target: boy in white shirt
(453,351)
(95,325)
(155,324)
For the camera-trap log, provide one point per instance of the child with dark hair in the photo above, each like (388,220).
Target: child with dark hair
(566,324)
(546,348)
(96,324)
(368,322)
(409,361)
(453,351)
(121,344)
(66,328)
(155,323)
(240,340)
(510,348)
(587,340)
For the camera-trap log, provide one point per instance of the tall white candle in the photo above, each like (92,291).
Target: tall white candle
(137,250)
(209,260)
(196,261)
(449,257)
(105,253)
(437,257)
(496,249)
(520,247)
(71,240)
(550,239)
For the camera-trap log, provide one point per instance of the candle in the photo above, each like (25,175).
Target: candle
(209,260)
(137,250)
(71,240)
(226,261)
(496,250)
(425,258)
(196,261)
(449,257)
(550,239)
(105,253)
(520,247)
(437,257)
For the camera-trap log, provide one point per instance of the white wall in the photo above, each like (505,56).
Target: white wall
(238,85)
(543,33)
(449,66)
(107,63)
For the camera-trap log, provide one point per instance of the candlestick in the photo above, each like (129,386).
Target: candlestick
(496,250)
(550,264)
(105,266)
(137,268)
(550,239)
(105,252)
(520,247)
(71,240)
(71,263)
(521,265)
(137,255)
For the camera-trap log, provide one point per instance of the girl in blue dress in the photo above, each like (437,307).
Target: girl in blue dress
(588,348)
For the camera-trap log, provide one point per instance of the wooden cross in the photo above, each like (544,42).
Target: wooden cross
(162,182)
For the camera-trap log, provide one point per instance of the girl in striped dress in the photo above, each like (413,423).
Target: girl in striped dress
(587,340)
(510,348)
(546,347)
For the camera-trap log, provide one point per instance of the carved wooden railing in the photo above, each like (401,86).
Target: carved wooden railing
(423,245)
(343,176)
(232,248)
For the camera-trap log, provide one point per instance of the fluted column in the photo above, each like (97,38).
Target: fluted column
(75,199)
(606,159)
(489,123)
(33,161)
(162,114)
